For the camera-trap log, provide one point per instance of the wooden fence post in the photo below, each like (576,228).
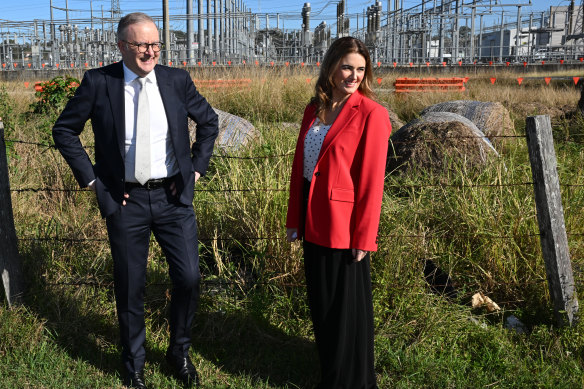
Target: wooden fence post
(10,266)
(550,216)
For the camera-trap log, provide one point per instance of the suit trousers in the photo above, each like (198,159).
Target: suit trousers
(175,228)
(341,306)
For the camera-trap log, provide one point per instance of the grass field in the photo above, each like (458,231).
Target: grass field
(253,328)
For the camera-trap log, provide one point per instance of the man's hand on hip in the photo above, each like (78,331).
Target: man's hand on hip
(91,186)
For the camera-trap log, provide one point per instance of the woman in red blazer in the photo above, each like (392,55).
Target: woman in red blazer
(334,207)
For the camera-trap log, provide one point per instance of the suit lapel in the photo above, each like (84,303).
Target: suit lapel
(115,87)
(349,110)
(168,96)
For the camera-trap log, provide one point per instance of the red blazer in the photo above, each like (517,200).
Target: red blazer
(344,202)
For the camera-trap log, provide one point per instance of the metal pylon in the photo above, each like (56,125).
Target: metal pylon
(577,23)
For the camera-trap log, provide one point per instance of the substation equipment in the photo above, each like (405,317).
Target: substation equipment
(222,32)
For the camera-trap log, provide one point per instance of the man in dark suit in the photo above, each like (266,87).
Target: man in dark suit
(144,175)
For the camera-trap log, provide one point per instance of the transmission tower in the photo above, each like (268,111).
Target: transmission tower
(116,11)
(576,21)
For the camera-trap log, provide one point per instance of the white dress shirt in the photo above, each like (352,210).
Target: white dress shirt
(162,159)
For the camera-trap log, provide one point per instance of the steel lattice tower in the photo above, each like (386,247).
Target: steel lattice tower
(579,23)
(576,23)
(116,11)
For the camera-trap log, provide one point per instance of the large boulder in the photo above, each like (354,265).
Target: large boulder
(490,117)
(437,140)
(234,132)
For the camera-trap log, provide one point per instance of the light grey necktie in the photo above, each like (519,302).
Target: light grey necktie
(142,163)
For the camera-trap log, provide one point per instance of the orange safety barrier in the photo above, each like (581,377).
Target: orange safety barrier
(451,84)
(233,83)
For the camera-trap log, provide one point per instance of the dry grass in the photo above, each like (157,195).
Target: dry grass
(254,326)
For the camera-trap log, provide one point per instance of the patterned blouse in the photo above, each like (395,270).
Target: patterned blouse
(312,145)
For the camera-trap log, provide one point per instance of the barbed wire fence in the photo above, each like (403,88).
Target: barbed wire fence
(565,309)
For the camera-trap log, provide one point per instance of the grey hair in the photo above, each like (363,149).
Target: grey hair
(129,19)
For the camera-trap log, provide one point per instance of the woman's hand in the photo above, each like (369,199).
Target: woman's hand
(358,255)
(291,234)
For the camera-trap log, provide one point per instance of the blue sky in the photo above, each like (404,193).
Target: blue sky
(25,10)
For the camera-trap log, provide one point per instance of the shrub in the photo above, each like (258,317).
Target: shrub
(53,95)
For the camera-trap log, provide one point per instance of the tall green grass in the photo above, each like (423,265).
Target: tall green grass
(253,329)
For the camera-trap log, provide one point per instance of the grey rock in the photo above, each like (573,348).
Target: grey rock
(234,132)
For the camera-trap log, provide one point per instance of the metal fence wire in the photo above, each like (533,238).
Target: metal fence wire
(60,239)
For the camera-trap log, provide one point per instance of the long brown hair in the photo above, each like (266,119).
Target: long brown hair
(325,85)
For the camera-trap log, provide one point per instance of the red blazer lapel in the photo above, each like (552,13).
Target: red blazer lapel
(347,112)
(307,120)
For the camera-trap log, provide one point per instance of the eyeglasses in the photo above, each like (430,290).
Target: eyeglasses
(143,47)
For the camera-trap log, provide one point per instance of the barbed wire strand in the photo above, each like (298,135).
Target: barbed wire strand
(381,237)
(249,285)
(52,146)
(460,186)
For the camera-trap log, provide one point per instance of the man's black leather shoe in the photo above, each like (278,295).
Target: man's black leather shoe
(184,370)
(135,380)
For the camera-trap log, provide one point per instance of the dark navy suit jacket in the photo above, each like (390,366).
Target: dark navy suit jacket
(100,98)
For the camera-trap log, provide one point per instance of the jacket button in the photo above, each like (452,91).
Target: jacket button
(317,174)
